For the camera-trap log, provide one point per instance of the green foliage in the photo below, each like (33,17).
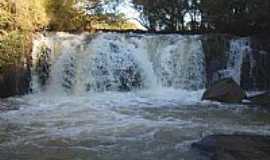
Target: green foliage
(19,19)
(241,17)
(64,16)
(109,22)
(238,16)
(6,21)
(13,47)
(163,14)
(30,15)
(24,15)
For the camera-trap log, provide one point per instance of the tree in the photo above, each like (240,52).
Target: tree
(242,17)
(169,15)
(236,16)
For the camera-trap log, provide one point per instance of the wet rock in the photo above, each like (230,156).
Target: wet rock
(130,78)
(226,90)
(261,56)
(215,47)
(261,99)
(43,65)
(15,80)
(234,147)
(255,67)
(4,106)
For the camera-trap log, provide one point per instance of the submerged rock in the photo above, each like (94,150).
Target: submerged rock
(261,99)
(4,106)
(226,90)
(234,147)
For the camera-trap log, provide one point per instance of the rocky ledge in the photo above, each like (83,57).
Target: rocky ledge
(261,99)
(225,90)
(5,106)
(234,147)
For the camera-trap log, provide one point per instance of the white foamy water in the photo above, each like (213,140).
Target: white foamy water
(119,125)
(111,62)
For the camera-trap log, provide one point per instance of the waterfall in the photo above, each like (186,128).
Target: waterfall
(116,62)
(239,50)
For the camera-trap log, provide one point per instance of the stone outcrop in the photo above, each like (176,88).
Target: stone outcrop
(6,106)
(15,80)
(261,54)
(226,90)
(261,99)
(234,147)
(216,47)
(255,67)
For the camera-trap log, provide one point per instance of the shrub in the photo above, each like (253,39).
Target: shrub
(13,48)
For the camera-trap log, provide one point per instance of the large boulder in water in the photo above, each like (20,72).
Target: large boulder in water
(261,99)
(226,90)
(234,147)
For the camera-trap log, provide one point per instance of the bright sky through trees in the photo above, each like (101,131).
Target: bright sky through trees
(125,7)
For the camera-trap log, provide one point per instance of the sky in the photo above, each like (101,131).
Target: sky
(127,8)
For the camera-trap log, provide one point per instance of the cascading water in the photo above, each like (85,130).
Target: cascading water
(113,62)
(239,50)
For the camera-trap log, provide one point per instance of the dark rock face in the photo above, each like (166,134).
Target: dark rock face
(255,68)
(234,147)
(14,81)
(261,99)
(216,47)
(43,65)
(261,54)
(226,90)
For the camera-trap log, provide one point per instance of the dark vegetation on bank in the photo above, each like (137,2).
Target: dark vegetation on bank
(237,17)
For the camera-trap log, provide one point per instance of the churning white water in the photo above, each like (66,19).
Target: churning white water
(117,62)
(112,96)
